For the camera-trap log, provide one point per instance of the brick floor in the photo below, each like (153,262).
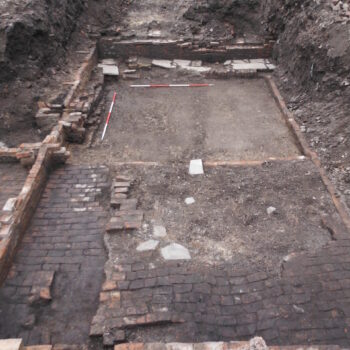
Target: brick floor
(52,290)
(12,177)
(179,302)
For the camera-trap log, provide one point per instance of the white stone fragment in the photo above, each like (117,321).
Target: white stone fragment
(159,231)
(182,63)
(10,205)
(148,245)
(270,66)
(227,63)
(190,200)
(163,64)
(175,251)
(197,69)
(11,344)
(196,63)
(271,210)
(196,167)
(249,66)
(129,71)
(298,309)
(110,70)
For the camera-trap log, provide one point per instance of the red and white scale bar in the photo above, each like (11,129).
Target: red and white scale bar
(155,86)
(109,116)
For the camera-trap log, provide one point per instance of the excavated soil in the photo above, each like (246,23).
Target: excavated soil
(313,57)
(229,222)
(42,48)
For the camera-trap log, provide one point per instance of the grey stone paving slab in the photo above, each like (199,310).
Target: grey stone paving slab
(148,245)
(175,251)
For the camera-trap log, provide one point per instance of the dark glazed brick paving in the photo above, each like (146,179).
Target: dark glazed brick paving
(178,302)
(61,258)
(12,178)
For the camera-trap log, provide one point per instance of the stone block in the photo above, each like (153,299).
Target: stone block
(11,344)
(110,70)
(196,167)
(163,64)
(182,63)
(197,69)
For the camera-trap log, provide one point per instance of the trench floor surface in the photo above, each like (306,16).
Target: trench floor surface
(269,253)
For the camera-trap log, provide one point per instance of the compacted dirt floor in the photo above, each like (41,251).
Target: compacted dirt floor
(229,222)
(234,119)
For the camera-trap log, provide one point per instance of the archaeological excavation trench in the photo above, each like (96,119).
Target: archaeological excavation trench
(110,240)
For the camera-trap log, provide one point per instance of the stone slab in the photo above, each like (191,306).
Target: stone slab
(175,251)
(197,69)
(148,245)
(110,70)
(163,64)
(182,63)
(11,344)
